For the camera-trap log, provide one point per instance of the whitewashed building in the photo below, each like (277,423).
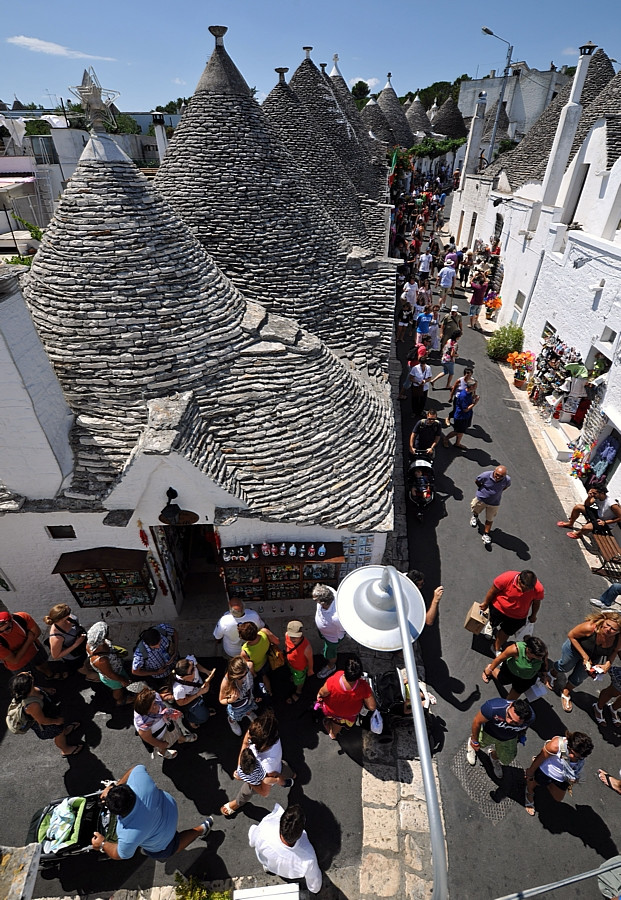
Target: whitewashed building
(555,204)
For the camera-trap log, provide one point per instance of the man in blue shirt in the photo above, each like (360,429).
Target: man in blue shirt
(490,488)
(146,817)
(496,728)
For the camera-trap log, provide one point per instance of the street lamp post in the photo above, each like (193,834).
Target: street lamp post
(502,89)
(383,610)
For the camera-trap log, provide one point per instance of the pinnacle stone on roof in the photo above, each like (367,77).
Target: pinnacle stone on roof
(417,117)
(229,177)
(433,111)
(449,120)
(377,123)
(157,351)
(527,162)
(323,105)
(392,109)
(313,152)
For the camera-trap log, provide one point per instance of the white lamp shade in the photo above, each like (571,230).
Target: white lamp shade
(367,610)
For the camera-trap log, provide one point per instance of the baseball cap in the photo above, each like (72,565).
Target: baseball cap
(455,308)
(295,629)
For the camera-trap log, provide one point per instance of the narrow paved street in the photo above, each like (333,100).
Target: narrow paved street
(494,846)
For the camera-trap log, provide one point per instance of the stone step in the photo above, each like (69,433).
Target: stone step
(557,443)
(570,432)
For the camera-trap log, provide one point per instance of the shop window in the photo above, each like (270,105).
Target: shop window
(548,331)
(107,576)
(61,532)
(518,306)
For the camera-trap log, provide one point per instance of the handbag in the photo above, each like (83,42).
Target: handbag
(275,657)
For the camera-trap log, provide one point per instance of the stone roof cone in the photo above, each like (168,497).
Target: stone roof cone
(316,157)
(503,124)
(449,120)
(228,176)
(348,104)
(527,162)
(158,352)
(417,117)
(392,109)
(126,304)
(309,85)
(376,122)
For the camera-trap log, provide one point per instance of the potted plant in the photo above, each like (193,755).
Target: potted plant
(522,364)
(493,302)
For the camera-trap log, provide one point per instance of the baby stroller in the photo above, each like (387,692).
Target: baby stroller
(421,484)
(65,827)
(392,696)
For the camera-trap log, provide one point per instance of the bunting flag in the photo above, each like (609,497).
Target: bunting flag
(393,166)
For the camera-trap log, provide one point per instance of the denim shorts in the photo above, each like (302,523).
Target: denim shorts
(168,850)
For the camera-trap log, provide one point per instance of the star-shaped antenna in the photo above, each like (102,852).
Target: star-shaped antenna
(95,100)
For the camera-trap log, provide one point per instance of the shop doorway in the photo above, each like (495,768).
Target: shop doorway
(191,565)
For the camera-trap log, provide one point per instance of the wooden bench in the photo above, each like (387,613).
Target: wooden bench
(610,553)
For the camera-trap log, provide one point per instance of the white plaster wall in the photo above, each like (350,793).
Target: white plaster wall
(34,418)
(525,97)
(28,555)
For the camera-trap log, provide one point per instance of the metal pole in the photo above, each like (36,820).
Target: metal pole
(438,848)
(500,99)
(554,885)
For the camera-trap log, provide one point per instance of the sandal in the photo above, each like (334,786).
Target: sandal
(57,676)
(77,749)
(598,714)
(486,678)
(566,701)
(529,803)
(573,535)
(563,524)
(605,778)
(71,727)
(228,810)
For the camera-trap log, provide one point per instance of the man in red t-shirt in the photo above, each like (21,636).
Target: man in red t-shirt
(343,696)
(19,645)
(511,598)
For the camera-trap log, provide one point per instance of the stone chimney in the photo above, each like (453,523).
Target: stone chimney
(473,147)
(566,130)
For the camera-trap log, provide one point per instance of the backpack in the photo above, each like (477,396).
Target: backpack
(17,719)
(21,622)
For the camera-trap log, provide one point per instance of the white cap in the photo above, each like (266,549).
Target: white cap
(454,308)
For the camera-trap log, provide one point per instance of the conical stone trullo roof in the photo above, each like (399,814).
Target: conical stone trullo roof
(449,120)
(228,176)
(348,105)
(377,123)
(321,101)
(417,117)
(156,350)
(527,162)
(503,124)
(315,155)
(392,109)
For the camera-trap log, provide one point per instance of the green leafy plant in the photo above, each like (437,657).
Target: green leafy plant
(19,261)
(507,339)
(35,232)
(193,889)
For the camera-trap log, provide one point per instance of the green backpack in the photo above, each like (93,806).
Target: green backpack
(17,719)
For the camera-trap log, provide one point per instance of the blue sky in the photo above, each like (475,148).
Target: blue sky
(153,52)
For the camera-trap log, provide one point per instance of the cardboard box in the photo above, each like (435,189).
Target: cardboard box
(476,620)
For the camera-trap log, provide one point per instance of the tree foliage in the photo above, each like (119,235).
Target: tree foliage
(173,107)
(438,91)
(125,124)
(37,126)
(360,90)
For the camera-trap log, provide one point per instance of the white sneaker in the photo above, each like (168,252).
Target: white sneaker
(496,766)
(486,539)
(474,521)
(235,727)
(599,604)
(488,631)
(471,754)
(326,671)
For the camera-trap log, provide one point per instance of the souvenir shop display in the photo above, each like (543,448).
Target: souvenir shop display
(559,378)
(283,571)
